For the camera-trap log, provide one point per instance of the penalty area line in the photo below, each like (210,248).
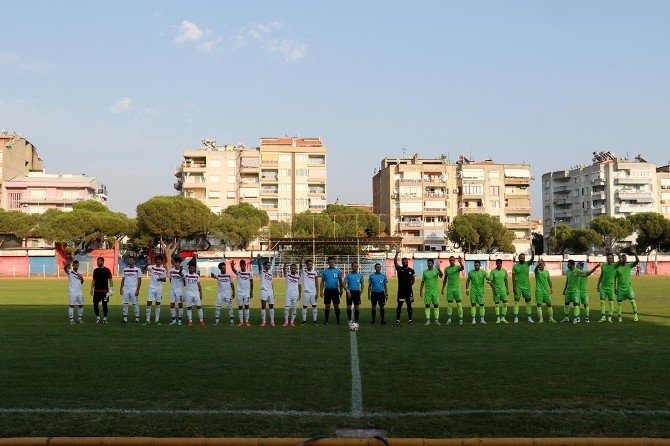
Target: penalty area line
(307,413)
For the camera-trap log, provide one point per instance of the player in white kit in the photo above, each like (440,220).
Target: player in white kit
(225,294)
(293,294)
(130,289)
(309,279)
(245,290)
(193,295)
(157,277)
(176,290)
(267,291)
(74,281)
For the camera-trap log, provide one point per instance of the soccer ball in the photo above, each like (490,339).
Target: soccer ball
(353,327)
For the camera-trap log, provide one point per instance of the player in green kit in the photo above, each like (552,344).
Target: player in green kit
(623,287)
(474,287)
(571,290)
(584,291)
(543,291)
(498,277)
(429,281)
(521,284)
(606,287)
(452,280)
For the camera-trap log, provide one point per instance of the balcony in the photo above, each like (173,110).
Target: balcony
(435,194)
(518,192)
(517,210)
(631,209)
(266,163)
(248,180)
(316,160)
(598,195)
(642,197)
(54,200)
(515,180)
(410,180)
(317,191)
(439,211)
(269,178)
(631,180)
(562,199)
(410,197)
(518,224)
(434,180)
(471,210)
(599,210)
(412,240)
(410,224)
(194,167)
(561,188)
(269,190)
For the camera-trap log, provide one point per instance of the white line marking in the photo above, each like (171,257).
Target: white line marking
(285,413)
(356,386)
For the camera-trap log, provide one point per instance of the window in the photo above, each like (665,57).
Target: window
(214,194)
(232,194)
(284,187)
(215,163)
(40,194)
(301,202)
(214,178)
(473,189)
(495,204)
(232,163)
(285,172)
(301,157)
(301,187)
(215,209)
(301,172)
(285,202)
(494,191)
(285,157)
(495,175)
(232,179)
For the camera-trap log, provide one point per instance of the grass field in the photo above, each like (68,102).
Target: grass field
(417,381)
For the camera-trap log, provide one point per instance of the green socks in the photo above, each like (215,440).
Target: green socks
(427,313)
(550,310)
(436,313)
(504,309)
(611,305)
(566,310)
(634,305)
(539,312)
(587,311)
(529,309)
(482,311)
(449,310)
(619,307)
(473,311)
(516,308)
(497,310)
(576,310)
(602,307)
(460,310)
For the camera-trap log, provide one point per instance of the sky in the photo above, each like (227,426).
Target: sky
(119,89)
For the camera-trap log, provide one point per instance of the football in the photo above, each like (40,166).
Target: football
(353,327)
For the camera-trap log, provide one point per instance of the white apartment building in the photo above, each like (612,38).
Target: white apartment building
(283,176)
(611,185)
(418,197)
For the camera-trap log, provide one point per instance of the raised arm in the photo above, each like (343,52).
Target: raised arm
(258,261)
(532,255)
(637,259)
(232,267)
(460,262)
(395,259)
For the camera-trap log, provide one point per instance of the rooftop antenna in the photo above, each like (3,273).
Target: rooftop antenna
(403,151)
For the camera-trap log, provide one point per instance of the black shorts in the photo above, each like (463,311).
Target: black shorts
(331,296)
(355,298)
(99,296)
(405,296)
(378,297)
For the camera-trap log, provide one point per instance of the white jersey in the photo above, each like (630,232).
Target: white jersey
(192,281)
(308,277)
(131,277)
(176,281)
(292,285)
(155,273)
(244,283)
(74,282)
(266,281)
(225,281)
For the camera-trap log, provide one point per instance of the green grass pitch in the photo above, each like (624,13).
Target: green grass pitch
(564,379)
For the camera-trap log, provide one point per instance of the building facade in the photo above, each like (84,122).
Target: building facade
(417,198)
(663,174)
(612,186)
(38,191)
(17,157)
(283,176)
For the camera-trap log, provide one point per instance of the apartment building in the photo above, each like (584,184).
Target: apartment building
(418,197)
(611,185)
(283,176)
(38,191)
(18,156)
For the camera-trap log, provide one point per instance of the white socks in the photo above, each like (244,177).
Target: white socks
(189,315)
(158,313)
(200,316)
(263,314)
(70,312)
(80,312)
(304,314)
(315,313)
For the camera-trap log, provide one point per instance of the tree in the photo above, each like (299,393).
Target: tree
(167,220)
(89,224)
(480,233)
(560,239)
(15,224)
(583,240)
(238,225)
(279,229)
(612,230)
(653,233)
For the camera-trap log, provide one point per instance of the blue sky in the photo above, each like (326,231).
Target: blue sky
(119,89)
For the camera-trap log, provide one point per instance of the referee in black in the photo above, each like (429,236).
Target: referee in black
(405,282)
(101,288)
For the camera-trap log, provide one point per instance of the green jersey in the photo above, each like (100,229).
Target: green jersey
(608,273)
(582,280)
(572,281)
(498,277)
(521,272)
(477,280)
(430,280)
(542,281)
(453,277)
(623,273)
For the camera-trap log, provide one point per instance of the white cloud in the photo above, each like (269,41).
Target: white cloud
(120,106)
(188,32)
(210,45)
(289,50)
(20,64)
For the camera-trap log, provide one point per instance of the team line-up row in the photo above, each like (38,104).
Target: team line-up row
(304,285)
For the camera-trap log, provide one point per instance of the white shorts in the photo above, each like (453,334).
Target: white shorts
(175,297)
(268,296)
(242,300)
(193,301)
(291,301)
(155,295)
(76,299)
(308,299)
(129,297)
(223,299)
